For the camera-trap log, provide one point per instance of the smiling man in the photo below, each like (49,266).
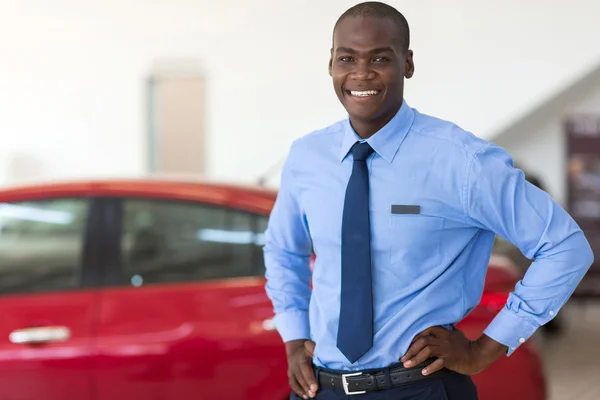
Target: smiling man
(401,210)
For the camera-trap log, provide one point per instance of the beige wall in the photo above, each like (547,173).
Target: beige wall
(177,117)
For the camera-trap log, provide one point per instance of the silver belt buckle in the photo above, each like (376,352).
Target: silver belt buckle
(345,384)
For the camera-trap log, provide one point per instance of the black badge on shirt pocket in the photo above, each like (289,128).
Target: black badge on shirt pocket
(400,209)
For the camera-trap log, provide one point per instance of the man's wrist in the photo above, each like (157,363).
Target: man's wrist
(489,350)
(293,345)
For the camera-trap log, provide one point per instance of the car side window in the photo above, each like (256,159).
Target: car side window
(260,227)
(41,244)
(168,241)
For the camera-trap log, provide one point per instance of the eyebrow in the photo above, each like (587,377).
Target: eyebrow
(373,51)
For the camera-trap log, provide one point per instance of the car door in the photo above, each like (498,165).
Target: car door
(46,299)
(184,313)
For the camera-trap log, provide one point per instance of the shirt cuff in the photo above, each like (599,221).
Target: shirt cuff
(292,325)
(510,329)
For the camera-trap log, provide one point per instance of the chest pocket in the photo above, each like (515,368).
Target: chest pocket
(416,243)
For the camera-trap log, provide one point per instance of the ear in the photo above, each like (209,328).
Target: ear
(409,66)
(330,61)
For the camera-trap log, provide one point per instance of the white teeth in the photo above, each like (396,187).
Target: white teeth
(364,93)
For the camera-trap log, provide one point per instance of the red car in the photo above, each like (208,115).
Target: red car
(120,290)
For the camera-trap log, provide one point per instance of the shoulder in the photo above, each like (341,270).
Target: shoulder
(317,138)
(450,134)
(318,135)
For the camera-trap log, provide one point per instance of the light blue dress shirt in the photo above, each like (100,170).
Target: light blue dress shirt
(428,268)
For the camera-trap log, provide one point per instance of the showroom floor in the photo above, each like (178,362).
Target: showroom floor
(573,359)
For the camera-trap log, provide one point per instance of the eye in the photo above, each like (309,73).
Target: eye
(345,59)
(381,59)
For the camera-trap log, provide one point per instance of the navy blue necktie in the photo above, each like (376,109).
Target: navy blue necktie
(355,330)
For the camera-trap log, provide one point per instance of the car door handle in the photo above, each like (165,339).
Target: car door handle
(42,334)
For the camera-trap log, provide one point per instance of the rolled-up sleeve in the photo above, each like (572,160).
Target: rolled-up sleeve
(498,198)
(287,254)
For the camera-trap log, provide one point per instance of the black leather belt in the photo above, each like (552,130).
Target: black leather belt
(371,380)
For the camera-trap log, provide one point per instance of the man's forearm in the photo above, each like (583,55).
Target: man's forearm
(546,286)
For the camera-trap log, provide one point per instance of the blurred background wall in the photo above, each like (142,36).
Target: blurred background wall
(76,78)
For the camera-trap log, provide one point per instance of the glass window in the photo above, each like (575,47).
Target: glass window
(259,259)
(41,245)
(170,241)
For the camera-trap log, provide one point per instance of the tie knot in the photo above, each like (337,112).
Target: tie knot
(360,151)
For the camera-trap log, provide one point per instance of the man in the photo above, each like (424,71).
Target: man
(401,210)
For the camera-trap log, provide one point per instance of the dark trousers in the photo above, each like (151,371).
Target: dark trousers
(451,387)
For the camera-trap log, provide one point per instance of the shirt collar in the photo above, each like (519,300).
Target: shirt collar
(387,140)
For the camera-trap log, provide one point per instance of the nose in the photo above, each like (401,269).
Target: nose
(362,71)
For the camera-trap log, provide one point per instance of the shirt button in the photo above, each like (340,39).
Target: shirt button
(551,312)
(522,340)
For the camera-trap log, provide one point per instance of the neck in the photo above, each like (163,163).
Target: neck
(367,128)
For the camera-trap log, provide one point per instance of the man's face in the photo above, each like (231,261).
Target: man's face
(368,67)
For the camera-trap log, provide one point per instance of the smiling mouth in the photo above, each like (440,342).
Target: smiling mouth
(363,93)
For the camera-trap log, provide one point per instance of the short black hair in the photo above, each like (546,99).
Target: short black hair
(380,10)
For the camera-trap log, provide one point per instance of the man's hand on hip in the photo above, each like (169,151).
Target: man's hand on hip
(453,351)
(300,370)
